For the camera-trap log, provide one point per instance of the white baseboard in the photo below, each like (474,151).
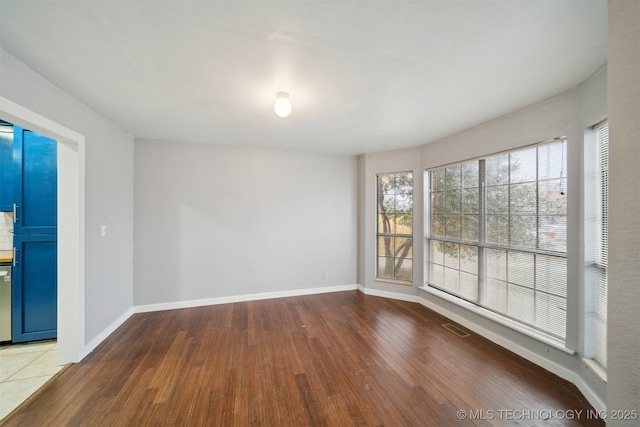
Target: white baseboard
(387,294)
(240,298)
(545,363)
(595,401)
(539,360)
(91,345)
(534,357)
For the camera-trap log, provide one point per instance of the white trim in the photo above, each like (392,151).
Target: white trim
(545,363)
(553,367)
(595,367)
(71,224)
(104,334)
(595,401)
(240,298)
(512,324)
(19,115)
(387,294)
(539,360)
(394,282)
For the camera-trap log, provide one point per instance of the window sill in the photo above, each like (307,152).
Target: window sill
(595,367)
(395,282)
(512,324)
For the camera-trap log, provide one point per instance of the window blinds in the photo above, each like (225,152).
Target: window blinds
(497,234)
(600,321)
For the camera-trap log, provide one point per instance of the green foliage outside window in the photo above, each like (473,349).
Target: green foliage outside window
(497,233)
(395,226)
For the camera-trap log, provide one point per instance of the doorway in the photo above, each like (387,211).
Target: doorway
(70,146)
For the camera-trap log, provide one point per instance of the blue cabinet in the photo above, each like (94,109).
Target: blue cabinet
(34,287)
(35,183)
(6,167)
(34,292)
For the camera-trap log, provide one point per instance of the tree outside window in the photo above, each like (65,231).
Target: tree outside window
(395,226)
(497,233)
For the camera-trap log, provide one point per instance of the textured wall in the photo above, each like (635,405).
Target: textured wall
(623,388)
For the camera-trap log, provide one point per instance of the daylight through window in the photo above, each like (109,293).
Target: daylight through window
(395,226)
(497,234)
(602,247)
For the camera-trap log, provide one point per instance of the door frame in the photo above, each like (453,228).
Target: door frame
(71,220)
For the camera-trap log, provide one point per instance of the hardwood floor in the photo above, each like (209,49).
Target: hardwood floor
(337,359)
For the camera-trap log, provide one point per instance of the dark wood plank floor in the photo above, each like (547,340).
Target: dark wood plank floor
(339,359)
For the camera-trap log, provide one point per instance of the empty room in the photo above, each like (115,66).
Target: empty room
(304,213)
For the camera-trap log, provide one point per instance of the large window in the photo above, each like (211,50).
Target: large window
(395,227)
(497,234)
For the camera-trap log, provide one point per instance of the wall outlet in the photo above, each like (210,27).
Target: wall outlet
(324,276)
(103,230)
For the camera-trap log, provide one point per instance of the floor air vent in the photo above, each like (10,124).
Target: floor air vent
(459,332)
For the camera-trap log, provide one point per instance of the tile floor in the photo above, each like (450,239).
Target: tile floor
(24,368)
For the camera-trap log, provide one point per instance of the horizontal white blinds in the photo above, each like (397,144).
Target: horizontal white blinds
(600,324)
(497,234)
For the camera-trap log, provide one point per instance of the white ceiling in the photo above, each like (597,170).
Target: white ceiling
(363,76)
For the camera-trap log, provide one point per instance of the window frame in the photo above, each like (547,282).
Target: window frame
(599,287)
(396,278)
(547,254)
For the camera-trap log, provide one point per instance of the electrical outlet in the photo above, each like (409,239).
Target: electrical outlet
(324,276)
(108,308)
(103,230)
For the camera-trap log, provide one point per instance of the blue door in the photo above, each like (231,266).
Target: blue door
(34,286)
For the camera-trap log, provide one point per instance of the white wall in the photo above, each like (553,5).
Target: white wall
(6,231)
(216,221)
(107,166)
(562,115)
(623,389)
(567,114)
(196,238)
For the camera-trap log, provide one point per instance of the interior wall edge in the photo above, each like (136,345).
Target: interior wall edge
(146,308)
(104,334)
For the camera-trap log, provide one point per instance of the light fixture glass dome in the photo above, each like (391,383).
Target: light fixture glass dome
(282,106)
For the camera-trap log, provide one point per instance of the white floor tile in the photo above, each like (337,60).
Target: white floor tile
(46,364)
(12,363)
(13,393)
(27,348)
(24,369)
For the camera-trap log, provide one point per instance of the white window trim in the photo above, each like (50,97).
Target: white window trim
(596,368)
(413,211)
(499,318)
(592,236)
(505,321)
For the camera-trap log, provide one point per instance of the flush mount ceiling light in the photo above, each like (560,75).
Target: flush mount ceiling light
(282,106)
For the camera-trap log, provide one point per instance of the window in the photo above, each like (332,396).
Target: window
(497,234)
(601,247)
(395,226)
